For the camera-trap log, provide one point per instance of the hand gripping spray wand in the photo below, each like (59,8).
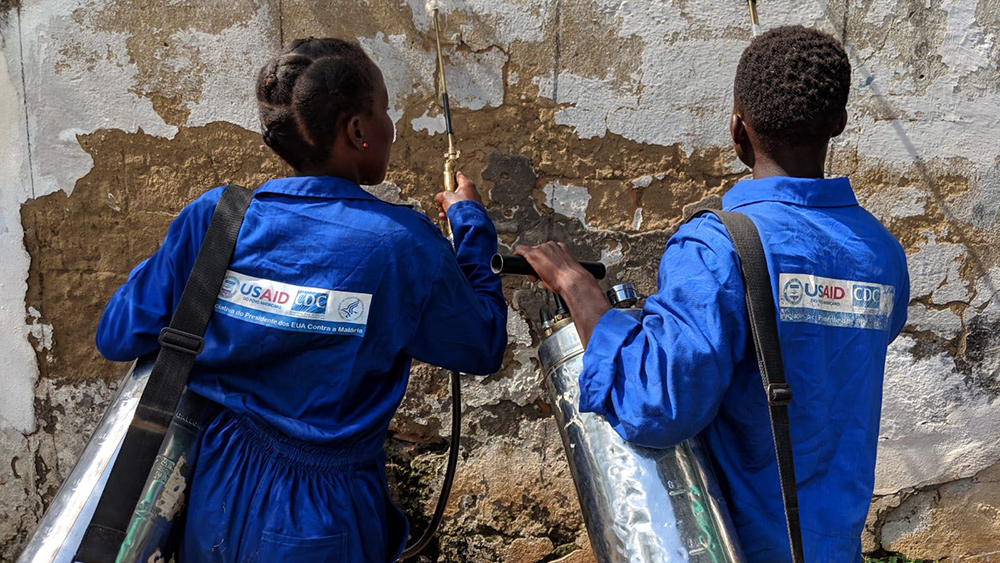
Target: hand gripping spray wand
(450,159)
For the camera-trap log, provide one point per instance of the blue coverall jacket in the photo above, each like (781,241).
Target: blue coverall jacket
(331,292)
(687,367)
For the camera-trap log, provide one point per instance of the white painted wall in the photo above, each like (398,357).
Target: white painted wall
(18,371)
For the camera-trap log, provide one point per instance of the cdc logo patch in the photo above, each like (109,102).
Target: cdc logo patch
(792,292)
(229,286)
(867,296)
(351,309)
(310,302)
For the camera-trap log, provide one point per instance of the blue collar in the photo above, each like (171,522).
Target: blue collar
(316,186)
(808,192)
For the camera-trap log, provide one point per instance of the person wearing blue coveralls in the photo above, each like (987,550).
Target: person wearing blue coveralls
(840,289)
(330,294)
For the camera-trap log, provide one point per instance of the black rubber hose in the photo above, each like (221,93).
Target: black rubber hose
(506,264)
(449,473)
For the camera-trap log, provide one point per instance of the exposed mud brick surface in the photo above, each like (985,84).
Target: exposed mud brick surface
(87,243)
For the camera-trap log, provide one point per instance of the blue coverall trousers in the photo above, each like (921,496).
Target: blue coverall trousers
(258,496)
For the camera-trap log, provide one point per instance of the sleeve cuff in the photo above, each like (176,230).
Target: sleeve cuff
(466,211)
(600,359)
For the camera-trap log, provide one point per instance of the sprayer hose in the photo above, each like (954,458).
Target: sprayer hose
(449,473)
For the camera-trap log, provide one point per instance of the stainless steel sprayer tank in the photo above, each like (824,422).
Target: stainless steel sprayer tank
(639,504)
(61,530)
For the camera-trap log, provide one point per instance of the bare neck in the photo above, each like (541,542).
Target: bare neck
(797,162)
(341,163)
(338,172)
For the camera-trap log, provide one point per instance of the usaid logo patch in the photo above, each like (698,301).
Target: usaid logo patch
(792,292)
(295,308)
(311,302)
(867,296)
(805,298)
(229,286)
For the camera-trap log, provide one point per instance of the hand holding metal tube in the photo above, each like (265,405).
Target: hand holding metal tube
(464,191)
(555,267)
(558,271)
(506,264)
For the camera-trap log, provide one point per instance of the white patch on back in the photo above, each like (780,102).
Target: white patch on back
(291,307)
(804,298)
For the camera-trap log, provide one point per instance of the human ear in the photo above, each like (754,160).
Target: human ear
(356,133)
(841,125)
(741,140)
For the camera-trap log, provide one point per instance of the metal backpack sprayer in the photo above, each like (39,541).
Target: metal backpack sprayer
(639,504)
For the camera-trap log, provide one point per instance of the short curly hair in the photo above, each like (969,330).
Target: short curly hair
(792,84)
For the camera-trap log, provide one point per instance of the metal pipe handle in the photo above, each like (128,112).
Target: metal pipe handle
(507,264)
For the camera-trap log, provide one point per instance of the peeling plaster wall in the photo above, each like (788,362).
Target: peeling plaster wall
(17,363)
(595,122)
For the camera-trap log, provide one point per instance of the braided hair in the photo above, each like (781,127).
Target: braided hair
(307,93)
(792,85)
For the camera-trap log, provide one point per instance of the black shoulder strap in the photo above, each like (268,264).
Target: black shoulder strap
(764,329)
(180,343)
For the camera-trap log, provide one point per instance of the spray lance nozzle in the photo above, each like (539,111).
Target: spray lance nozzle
(451,156)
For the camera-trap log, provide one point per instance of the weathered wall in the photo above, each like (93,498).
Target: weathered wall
(592,121)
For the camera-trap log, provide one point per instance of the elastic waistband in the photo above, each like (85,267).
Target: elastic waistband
(301,454)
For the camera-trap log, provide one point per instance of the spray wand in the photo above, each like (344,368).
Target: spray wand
(450,157)
(754,22)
